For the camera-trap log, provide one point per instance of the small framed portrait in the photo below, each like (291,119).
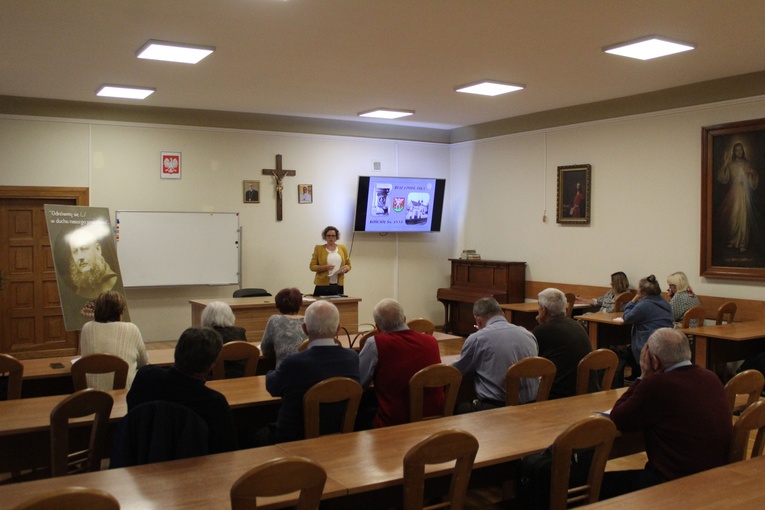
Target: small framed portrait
(574,183)
(170,165)
(251,192)
(305,193)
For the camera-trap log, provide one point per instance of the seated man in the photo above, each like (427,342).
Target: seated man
(489,352)
(681,409)
(391,358)
(298,372)
(561,340)
(184,383)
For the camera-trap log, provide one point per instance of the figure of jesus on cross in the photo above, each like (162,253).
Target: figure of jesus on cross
(279,174)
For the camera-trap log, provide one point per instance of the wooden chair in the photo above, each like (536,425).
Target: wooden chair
(363,328)
(601,359)
(595,432)
(434,376)
(362,339)
(305,343)
(726,310)
(71,498)
(237,351)
(527,368)
(622,299)
(443,446)
(330,391)
(748,382)
(13,369)
(694,317)
(751,419)
(79,404)
(570,300)
(421,326)
(99,364)
(280,476)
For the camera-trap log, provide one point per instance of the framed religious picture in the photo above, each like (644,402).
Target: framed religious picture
(574,183)
(170,165)
(733,200)
(251,192)
(305,193)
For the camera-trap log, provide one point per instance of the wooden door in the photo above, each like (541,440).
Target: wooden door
(31,322)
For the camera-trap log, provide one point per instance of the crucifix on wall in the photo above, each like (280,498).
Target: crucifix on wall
(279,174)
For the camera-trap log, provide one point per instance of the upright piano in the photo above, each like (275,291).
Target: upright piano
(472,280)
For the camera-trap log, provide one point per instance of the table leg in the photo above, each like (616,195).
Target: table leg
(701,351)
(592,331)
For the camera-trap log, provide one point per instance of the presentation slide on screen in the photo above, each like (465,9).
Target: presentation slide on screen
(400,204)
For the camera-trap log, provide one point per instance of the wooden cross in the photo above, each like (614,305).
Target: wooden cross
(279,174)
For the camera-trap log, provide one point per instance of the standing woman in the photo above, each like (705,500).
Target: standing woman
(107,334)
(330,262)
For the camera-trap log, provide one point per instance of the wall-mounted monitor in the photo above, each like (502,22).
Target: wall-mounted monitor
(399,204)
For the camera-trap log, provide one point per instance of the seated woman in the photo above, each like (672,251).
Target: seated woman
(647,312)
(106,334)
(219,316)
(619,284)
(284,332)
(681,296)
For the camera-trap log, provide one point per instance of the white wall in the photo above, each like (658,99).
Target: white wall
(646,198)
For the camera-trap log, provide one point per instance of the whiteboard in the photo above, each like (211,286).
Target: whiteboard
(178,248)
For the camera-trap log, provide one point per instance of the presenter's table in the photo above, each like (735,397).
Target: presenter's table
(252,313)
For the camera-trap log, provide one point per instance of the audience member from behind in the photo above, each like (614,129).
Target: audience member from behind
(647,312)
(107,334)
(330,262)
(284,331)
(681,296)
(561,340)
(219,316)
(489,352)
(299,372)
(682,411)
(184,383)
(390,359)
(619,284)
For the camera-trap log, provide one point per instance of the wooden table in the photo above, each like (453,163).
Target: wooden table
(716,345)
(252,313)
(738,485)
(525,314)
(603,330)
(361,464)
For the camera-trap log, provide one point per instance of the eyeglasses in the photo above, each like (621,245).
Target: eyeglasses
(331,235)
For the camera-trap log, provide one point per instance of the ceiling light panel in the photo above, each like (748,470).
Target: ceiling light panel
(173,52)
(647,48)
(124,92)
(386,113)
(489,88)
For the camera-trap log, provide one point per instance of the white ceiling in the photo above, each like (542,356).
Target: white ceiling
(335,58)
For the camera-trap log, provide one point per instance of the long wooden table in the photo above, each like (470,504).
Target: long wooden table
(716,345)
(360,465)
(525,314)
(604,330)
(252,313)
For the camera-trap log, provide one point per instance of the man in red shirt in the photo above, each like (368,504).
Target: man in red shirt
(390,358)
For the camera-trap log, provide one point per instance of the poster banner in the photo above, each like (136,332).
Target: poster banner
(85,258)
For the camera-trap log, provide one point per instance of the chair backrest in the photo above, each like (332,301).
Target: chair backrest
(81,403)
(14,370)
(694,317)
(99,364)
(751,419)
(331,391)
(304,345)
(362,337)
(71,498)
(253,292)
(726,313)
(421,326)
(237,351)
(534,366)
(434,376)
(280,476)
(443,446)
(622,299)
(595,432)
(748,382)
(601,359)
(570,300)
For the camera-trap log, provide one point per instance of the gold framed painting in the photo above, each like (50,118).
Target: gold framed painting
(574,204)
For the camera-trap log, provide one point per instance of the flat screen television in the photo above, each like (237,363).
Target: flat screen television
(399,204)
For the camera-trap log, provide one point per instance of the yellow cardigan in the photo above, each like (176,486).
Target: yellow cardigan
(319,258)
